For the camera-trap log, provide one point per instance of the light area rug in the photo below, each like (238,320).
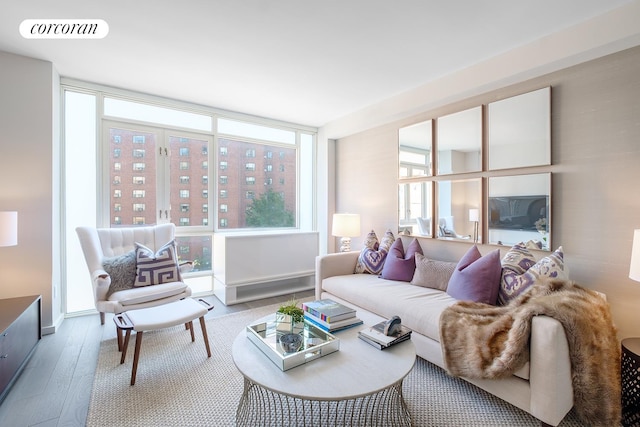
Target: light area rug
(177,385)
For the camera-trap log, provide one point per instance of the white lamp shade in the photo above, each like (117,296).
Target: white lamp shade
(8,228)
(474,215)
(634,268)
(346,225)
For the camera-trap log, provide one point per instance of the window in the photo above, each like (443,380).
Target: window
(250,180)
(138,166)
(269,168)
(223,165)
(184,221)
(249,195)
(117,180)
(117,166)
(223,179)
(269,154)
(250,153)
(116,153)
(205,150)
(117,139)
(137,194)
(281,168)
(138,220)
(138,207)
(250,166)
(117,207)
(184,179)
(205,208)
(223,194)
(184,194)
(269,181)
(184,151)
(184,207)
(223,208)
(139,139)
(117,194)
(223,151)
(205,194)
(205,165)
(184,166)
(223,223)
(205,179)
(138,153)
(139,180)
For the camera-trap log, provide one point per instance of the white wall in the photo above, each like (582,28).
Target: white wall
(29,117)
(595,155)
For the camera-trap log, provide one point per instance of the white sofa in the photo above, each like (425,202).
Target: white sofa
(543,387)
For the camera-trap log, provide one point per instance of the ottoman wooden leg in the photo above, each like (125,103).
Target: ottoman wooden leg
(203,326)
(193,337)
(125,345)
(136,356)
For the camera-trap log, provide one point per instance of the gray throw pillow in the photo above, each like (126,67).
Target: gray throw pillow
(122,270)
(431,273)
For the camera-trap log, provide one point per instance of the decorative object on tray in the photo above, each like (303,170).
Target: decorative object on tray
(290,318)
(330,316)
(385,334)
(291,343)
(315,343)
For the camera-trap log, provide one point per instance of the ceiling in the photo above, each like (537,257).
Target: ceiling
(302,61)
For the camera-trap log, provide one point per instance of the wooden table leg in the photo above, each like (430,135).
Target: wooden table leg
(203,326)
(136,355)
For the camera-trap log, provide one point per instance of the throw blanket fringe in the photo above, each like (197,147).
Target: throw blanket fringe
(484,341)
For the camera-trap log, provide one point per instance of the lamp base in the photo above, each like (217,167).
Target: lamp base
(345,244)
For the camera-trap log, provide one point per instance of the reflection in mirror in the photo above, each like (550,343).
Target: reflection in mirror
(415,150)
(414,208)
(518,210)
(520,130)
(457,202)
(460,142)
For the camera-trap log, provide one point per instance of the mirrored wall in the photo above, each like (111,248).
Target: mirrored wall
(452,189)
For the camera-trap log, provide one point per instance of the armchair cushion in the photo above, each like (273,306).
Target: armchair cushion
(156,268)
(122,270)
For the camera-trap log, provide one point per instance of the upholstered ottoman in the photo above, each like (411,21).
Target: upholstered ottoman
(164,316)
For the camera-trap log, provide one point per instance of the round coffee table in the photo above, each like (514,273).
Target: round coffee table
(357,385)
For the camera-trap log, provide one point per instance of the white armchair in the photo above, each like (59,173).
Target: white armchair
(101,243)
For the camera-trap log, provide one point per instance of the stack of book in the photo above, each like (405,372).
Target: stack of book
(329,315)
(375,336)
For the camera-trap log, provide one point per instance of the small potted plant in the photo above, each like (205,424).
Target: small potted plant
(290,317)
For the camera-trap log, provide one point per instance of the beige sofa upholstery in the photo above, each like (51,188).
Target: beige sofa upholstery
(542,387)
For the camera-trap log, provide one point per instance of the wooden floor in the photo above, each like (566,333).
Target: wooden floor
(55,387)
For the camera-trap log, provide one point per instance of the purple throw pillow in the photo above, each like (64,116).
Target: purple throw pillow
(476,277)
(400,265)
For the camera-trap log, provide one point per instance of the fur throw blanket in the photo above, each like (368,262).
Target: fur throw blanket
(484,341)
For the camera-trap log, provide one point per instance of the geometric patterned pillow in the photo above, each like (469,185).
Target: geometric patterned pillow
(154,269)
(520,270)
(122,271)
(372,257)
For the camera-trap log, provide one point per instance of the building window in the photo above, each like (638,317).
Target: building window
(269,181)
(138,180)
(138,220)
(269,154)
(205,150)
(117,166)
(250,180)
(117,220)
(138,166)
(117,207)
(223,208)
(250,166)
(224,151)
(269,168)
(184,194)
(223,165)
(223,223)
(205,194)
(205,165)
(116,153)
(184,166)
(223,179)
(184,221)
(138,139)
(138,207)
(184,151)
(205,179)
(249,195)
(184,249)
(117,194)
(281,181)
(281,155)
(184,179)
(250,153)
(223,194)
(117,180)
(117,139)
(137,194)
(205,208)
(205,221)
(138,153)
(281,168)
(184,207)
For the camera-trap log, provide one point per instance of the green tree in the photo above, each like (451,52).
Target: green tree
(268,210)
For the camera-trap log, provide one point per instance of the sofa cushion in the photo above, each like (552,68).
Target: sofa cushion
(400,265)
(418,307)
(122,271)
(476,277)
(372,257)
(520,270)
(432,273)
(156,268)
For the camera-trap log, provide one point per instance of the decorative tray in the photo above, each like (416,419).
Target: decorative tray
(315,343)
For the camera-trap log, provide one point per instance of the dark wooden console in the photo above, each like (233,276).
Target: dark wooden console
(20,332)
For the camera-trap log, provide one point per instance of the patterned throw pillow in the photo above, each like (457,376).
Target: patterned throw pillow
(400,265)
(432,273)
(520,270)
(372,257)
(476,278)
(122,271)
(154,269)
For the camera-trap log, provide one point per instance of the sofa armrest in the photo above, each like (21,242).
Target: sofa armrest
(337,264)
(550,371)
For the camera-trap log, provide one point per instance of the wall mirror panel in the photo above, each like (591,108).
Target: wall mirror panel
(459,142)
(519,210)
(415,208)
(519,130)
(457,200)
(415,147)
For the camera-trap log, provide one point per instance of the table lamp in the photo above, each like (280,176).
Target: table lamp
(8,228)
(474,216)
(634,268)
(345,226)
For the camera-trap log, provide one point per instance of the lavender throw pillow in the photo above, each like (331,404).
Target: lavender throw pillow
(400,265)
(476,277)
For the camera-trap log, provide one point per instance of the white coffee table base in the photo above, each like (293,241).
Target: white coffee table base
(262,407)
